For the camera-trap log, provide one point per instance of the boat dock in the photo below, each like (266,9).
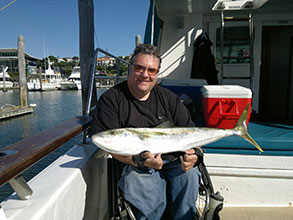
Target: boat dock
(9,111)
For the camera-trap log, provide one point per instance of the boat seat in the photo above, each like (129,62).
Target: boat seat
(274,139)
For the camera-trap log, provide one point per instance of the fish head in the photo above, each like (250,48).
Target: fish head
(112,141)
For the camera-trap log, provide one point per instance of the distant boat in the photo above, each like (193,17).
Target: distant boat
(50,81)
(73,81)
(8,82)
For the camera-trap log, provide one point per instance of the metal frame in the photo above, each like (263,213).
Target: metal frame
(90,108)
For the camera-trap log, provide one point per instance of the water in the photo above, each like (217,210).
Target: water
(53,107)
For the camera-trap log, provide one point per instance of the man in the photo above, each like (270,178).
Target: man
(149,181)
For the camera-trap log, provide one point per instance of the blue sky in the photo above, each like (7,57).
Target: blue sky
(55,24)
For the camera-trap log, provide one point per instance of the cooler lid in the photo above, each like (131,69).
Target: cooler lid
(225,91)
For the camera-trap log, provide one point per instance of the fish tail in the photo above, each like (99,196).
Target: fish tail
(241,129)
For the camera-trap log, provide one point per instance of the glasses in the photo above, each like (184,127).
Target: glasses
(140,69)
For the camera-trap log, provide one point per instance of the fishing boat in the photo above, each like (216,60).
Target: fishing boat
(254,185)
(74,81)
(6,80)
(49,80)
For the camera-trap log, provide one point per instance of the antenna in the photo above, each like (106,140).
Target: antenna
(6,6)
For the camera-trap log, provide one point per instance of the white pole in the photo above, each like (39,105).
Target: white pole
(4,80)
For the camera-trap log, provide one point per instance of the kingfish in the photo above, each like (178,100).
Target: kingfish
(131,141)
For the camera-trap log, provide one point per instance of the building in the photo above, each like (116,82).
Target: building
(105,61)
(8,57)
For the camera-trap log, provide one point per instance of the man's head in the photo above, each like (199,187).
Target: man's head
(144,67)
(146,49)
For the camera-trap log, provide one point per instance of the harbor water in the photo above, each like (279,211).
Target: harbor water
(53,107)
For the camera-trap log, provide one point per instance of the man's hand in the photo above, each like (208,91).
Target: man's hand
(153,161)
(188,160)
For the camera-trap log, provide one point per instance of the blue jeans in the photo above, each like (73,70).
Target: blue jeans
(148,190)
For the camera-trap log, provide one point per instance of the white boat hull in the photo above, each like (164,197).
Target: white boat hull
(35,86)
(8,84)
(69,85)
(78,84)
(252,180)
(69,188)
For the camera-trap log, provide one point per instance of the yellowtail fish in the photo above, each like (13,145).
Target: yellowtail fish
(131,141)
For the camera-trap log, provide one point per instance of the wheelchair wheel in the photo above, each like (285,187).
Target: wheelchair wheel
(208,203)
(202,202)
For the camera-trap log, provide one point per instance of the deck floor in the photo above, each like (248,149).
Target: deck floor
(257,213)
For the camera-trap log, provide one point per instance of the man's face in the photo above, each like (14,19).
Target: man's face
(143,75)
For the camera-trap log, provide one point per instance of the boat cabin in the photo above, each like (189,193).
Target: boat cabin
(251,42)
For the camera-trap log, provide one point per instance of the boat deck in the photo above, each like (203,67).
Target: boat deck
(253,213)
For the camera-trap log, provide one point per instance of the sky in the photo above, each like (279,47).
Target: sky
(51,27)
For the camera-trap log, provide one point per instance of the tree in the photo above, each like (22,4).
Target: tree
(53,59)
(75,58)
(67,70)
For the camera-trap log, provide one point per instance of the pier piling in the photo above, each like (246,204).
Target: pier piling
(21,71)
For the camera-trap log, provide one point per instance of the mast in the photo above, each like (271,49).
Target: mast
(86,49)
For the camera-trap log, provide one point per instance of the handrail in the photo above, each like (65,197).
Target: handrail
(17,157)
(92,81)
(92,75)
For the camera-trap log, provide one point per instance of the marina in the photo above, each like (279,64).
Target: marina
(251,52)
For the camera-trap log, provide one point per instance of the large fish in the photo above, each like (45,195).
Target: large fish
(131,141)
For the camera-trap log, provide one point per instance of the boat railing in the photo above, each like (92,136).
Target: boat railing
(93,78)
(18,157)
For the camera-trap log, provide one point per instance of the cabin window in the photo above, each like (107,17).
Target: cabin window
(236,45)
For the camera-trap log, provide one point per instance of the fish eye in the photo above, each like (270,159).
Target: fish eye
(112,132)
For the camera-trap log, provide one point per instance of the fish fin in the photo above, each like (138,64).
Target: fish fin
(242,128)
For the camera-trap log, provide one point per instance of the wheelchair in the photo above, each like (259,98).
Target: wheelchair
(208,203)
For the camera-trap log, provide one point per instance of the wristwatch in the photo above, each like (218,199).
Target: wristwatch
(199,154)
(139,160)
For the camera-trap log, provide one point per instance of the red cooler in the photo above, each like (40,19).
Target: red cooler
(223,105)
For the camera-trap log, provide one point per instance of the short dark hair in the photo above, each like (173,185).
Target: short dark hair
(146,49)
